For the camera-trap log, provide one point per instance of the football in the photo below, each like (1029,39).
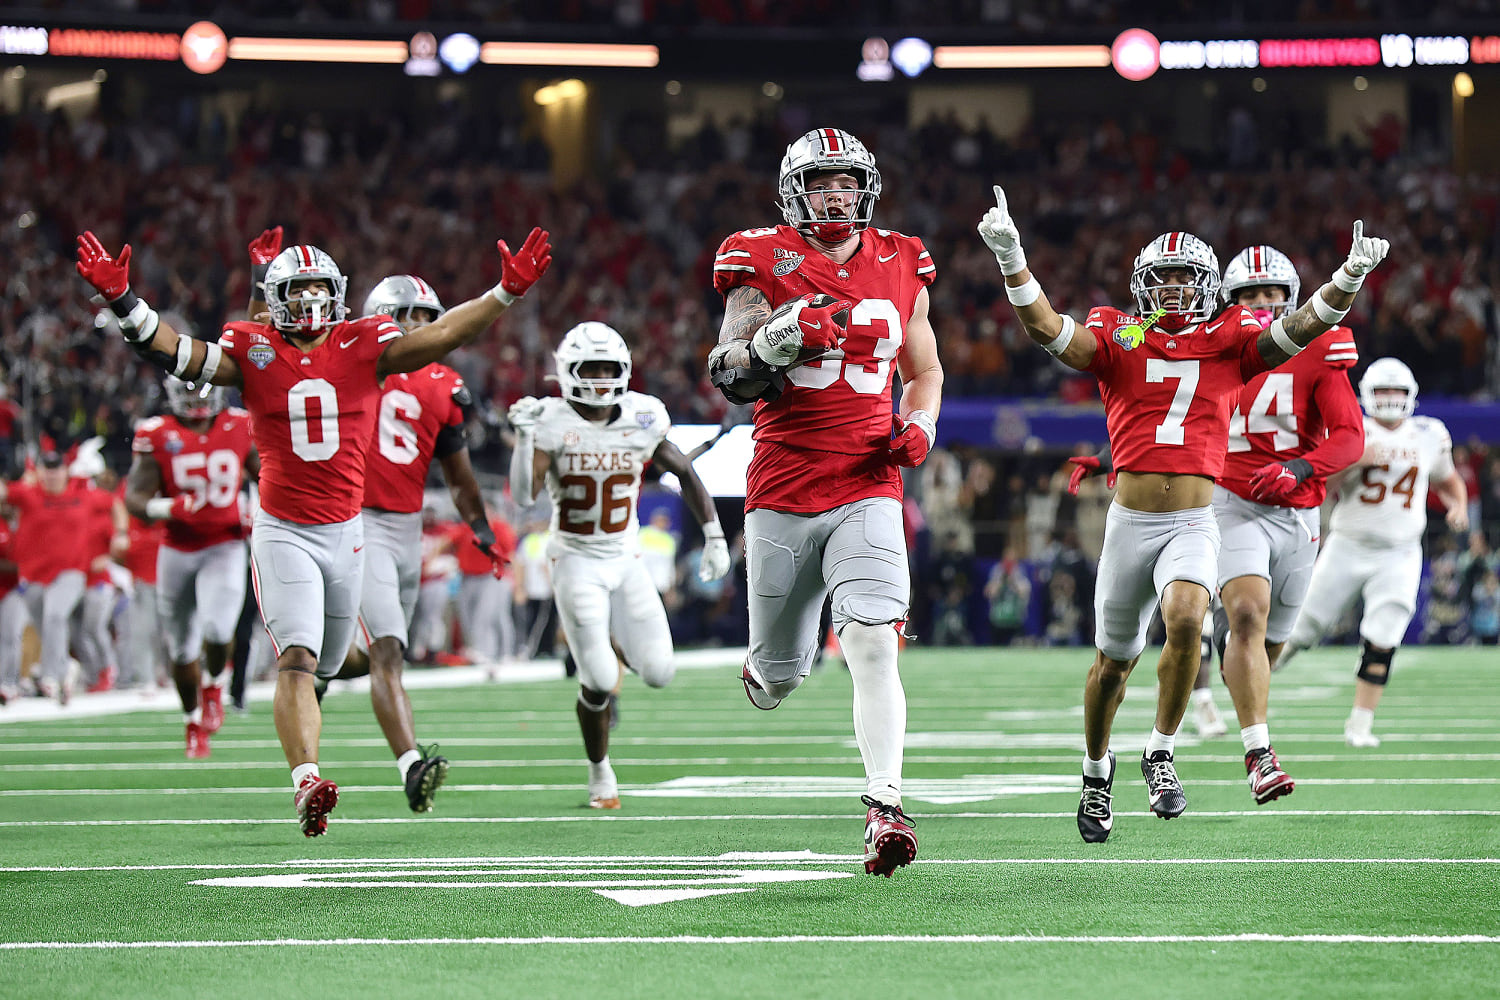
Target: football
(819,300)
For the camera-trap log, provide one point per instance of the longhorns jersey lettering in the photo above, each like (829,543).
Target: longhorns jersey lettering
(1168,395)
(414,407)
(313,414)
(824,442)
(595,476)
(209,467)
(1383,502)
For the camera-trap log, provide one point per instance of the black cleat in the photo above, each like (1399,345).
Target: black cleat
(1163,789)
(424,778)
(1095,817)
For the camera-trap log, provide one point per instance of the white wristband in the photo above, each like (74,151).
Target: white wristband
(1347,282)
(184,355)
(1013,262)
(1325,312)
(1279,337)
(712,529)
(502,296)
(1024,295)
(211,359)
(159,508)
(923,420)
(1060,343)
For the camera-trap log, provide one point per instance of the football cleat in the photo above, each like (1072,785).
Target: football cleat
(604,801)
(1095,815)
(315,799)
(1357,736)
(755,692)
(890,841)
(424,778)
(1163,790)
(213,707)
(1206,718)
(1267,780)
(197,741)
(105,681)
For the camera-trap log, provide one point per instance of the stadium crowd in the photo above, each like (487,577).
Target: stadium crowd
(1001,552)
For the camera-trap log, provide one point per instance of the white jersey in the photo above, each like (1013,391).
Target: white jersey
(1383,499)
(595,476)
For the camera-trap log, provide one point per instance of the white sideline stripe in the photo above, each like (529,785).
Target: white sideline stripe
(730,817)
(782,939)
(644,789)
(278,766)
(821,859)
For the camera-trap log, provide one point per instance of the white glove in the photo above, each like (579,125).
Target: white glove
(779,340)
(715,561)
(524,413)
(999,232)
(1365,252)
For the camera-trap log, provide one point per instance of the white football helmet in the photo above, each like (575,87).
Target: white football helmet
(1388,373)
(1262,265)
(397,295)
(316,312)
(830,150)
(194,401)
(592,342)
(1176,250)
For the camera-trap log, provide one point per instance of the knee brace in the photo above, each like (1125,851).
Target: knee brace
(593,701)
(1374,664)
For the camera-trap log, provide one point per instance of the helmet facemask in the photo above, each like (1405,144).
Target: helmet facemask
(589,344)
(1262,267)
(822,153)
(1388,390)
(194,400)
(407,299)
(1172,304)
(295,309)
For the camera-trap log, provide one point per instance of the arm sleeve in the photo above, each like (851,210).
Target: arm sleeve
(736,263)
(1344,422)
(1100,325)
(926,269)
(1251,362)
(142,443)
(1442,465)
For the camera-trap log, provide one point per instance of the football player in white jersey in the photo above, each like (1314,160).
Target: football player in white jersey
(590,446)
(1374,546)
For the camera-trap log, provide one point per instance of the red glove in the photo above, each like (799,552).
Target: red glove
(264,248)
(1273,483)
(909,442)
(823,325)
(1085,466)
(484,540)
(110,276)
(520,271)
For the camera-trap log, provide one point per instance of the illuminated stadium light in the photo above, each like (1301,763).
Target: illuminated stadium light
(114,44)
(204,47)
(1136,54)
(460,51)
(1463,85)
(16,41)
(911,56)
(875,60)
(568,54)
(556,93)
(1020,56)
(335,50)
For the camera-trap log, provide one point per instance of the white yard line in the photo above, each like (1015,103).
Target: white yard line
(683,939)
(727,817)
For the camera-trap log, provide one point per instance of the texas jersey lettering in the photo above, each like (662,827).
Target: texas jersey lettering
(1383,502)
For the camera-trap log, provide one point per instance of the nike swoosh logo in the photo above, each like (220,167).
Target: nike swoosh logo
(346,343)
(1215,327)
(812,326)
(359,548)
(887,257)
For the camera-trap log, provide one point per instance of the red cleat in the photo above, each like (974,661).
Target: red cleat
(890,841)
(755,692)
(1267,780)
(197,741)
(212,702)
(315,799)
(106,681)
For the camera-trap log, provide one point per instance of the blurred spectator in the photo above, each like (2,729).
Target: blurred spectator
(1009,594)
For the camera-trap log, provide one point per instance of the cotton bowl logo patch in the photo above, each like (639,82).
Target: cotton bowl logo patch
(645,419)
(786,262)
(1130,337)
(261,355)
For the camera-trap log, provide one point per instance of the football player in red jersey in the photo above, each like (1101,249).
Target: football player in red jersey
(12,618)
(311,380)
(1169,380)
(422,416)
(188,469)
(823,504)
(1292,429)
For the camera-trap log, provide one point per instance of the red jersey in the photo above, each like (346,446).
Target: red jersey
(209,467)
(9,578)
(413,409)
(101,532)
(145,539)
(312,414)
(1305,409)
(439,542)
(53,529)
(1167,399)
(824,442)
(471,560)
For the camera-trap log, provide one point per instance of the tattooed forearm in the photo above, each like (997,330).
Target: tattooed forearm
(1303,325)
(745,311)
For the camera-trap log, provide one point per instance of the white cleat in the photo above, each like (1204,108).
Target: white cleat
(757,694)
(1363,739)
(1209,723)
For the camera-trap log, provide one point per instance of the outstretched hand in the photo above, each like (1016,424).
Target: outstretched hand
(1365,252)
(999,232)
(519,271)
(110,276)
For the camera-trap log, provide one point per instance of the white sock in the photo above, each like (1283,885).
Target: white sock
(406,760)
(602,777)
(1160,741)
(879,705)
(1256,737)
(1095,768)
(1203,696)
(195,716)
(1361,719)
(301,771)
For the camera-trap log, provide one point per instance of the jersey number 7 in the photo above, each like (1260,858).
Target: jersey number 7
(1169,431)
